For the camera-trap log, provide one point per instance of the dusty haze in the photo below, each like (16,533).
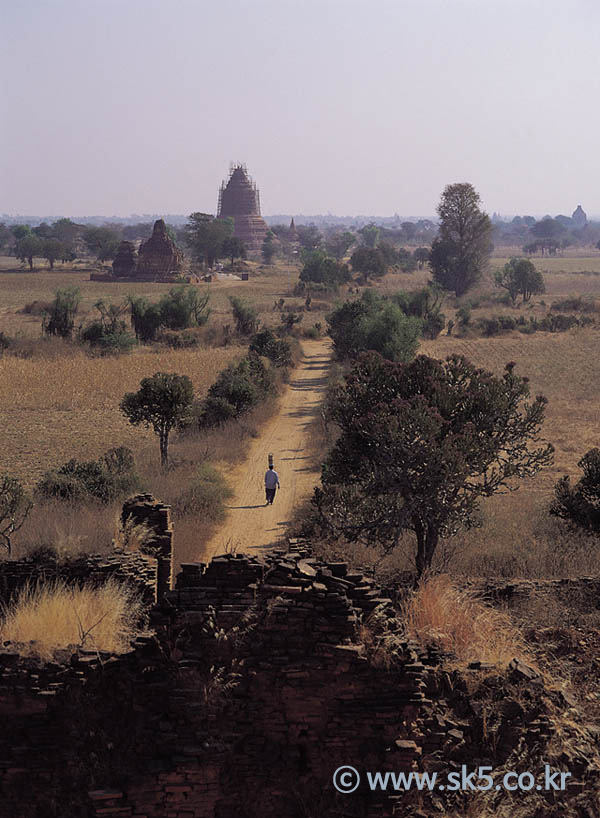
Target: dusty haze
(335,105)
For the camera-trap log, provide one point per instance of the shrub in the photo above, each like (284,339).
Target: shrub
(319,268)
(575,303)
(37,307)
(185,339)
(206,496)
(237,389)
(15,506)
(60,319)
(106,479)
(97,335)
(145,318)
(580,504)
(5,341)
(244,315)
(463,316)
(275,349)
(55,616)
(373,322)
(183,307)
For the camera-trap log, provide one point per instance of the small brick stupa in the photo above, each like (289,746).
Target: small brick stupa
(159,257)
(125,260)
(239,199)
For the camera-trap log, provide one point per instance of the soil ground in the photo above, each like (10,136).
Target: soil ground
(251,524)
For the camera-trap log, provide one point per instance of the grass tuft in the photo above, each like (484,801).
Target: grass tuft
(47,618)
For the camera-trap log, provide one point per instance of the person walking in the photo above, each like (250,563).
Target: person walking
(271,484)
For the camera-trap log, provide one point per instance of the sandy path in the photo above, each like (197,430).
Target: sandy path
(250,524)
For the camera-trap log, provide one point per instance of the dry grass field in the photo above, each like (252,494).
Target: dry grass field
(62,403)
(53,409)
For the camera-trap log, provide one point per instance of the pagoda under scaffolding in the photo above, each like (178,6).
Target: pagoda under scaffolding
(239,199)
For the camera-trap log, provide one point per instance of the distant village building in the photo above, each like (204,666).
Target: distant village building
(239,199)
(579,217)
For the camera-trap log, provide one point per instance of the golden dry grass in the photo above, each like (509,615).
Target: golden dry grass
(53,410)
(51,617)
(460,624)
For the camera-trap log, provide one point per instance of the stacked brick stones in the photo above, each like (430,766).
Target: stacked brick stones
(261,681)
(159,257)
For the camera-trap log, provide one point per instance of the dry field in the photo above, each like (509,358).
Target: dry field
(54,409)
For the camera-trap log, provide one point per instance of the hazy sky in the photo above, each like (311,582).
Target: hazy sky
(342,106)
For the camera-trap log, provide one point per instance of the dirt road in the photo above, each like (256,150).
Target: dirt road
(250,525)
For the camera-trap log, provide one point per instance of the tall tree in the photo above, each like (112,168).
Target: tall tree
(205,236)
(162,402)
(268,247)
(101,242)
(420,444)
(234,248)
(28,247)
(462,248)
(339,243)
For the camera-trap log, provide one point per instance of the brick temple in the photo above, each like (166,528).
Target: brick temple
(239,199)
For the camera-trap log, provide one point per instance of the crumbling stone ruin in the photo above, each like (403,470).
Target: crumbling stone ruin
(265,675)
(239,199)
(159,257)
(125,261)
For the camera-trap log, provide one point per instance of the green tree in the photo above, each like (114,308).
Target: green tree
(370,235)
(15,505)
(420,444)
(548,228)
(369,263)
(205,236)
(373,323)
(421,256)
(268,247)
(102,242)
(462,248)
(162,402)
(319,268)
(520,276)
(309,236)
(145,318)
(19,231)
(234,248)
(53,249)
(580,504)
(184,306)
(6,236)
(27,248)
(339,243)
(66,230)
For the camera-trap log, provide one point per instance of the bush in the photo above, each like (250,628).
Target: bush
(575,303)
(244,315)
(183,307)
(580,504)
(463,315)
(102,338)
(275,349)
(109,478)
(5,341)
(206,496)
(237,389)
(60,319)
(37,307)
(186,339)
(319,268)
(373,322)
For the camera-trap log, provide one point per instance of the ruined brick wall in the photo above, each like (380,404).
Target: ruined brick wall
(262,681)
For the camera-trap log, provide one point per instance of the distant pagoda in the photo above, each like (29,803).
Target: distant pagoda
(239,199)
